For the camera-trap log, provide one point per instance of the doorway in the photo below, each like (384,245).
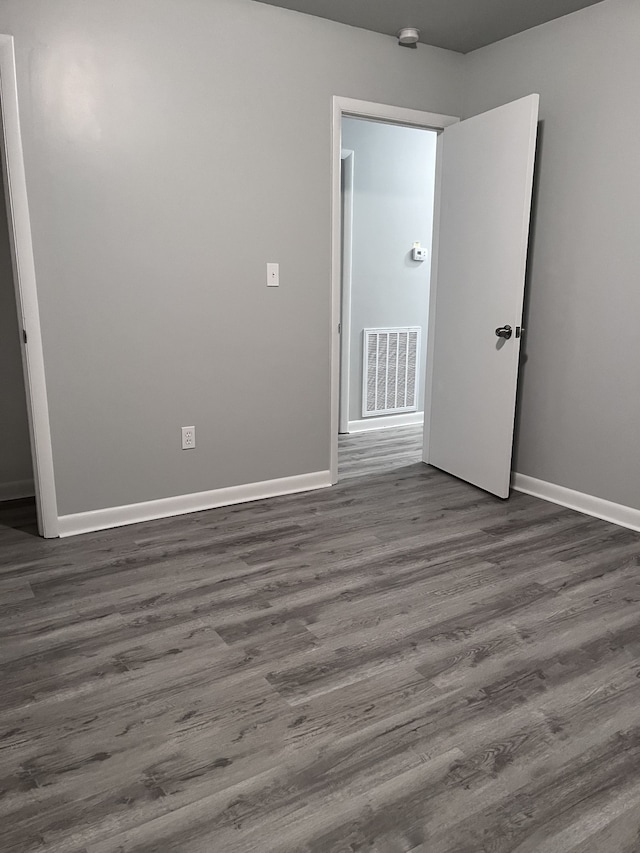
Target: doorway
(484,177)
(388,177)
(348,362)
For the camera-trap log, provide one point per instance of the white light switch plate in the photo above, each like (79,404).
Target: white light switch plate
(273,275)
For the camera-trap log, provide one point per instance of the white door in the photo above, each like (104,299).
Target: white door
(480,252)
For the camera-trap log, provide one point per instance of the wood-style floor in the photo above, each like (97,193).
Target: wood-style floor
(399,663)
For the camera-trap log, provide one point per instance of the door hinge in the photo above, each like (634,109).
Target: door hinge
(24,335)
(339,328)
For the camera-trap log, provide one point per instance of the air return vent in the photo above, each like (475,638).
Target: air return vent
(390,377)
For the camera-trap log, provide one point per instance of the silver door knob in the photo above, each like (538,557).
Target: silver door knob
(504,332)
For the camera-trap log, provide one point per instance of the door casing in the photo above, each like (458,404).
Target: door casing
(347,158)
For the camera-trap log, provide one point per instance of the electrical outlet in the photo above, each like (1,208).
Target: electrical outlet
(188,437)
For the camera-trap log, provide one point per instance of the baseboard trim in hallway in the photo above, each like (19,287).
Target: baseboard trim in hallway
(119,516)
(624,516)
(386,422)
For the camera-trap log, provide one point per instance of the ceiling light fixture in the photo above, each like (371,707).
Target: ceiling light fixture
(408,37)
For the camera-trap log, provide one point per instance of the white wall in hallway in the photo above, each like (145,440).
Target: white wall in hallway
(394,171)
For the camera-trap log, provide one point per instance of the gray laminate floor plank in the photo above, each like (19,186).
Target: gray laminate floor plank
(398,664)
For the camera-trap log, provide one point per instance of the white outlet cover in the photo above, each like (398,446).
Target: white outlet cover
(188,437)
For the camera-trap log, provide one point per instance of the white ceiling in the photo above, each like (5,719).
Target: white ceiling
(461,25)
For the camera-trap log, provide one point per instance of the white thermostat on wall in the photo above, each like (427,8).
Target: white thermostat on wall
(418,253)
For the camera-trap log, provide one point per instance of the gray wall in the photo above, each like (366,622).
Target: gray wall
(167,161)
(394,171)
(579,420)
(15,451)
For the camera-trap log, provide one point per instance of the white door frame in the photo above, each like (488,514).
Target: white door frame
(394,115)
(15,187)
(347,158)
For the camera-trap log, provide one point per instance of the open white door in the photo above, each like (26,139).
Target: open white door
(480,252)
(15,188)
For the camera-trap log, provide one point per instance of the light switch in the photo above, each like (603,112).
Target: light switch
(273,275)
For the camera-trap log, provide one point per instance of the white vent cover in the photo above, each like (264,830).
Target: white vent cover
(390,377)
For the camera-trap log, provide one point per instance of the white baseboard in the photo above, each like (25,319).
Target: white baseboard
(620,514)
(118,516)
(386,421)
(17,489)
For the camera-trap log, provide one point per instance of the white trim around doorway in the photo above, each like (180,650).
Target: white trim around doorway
(347,158)
(15,187)
(375,112)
